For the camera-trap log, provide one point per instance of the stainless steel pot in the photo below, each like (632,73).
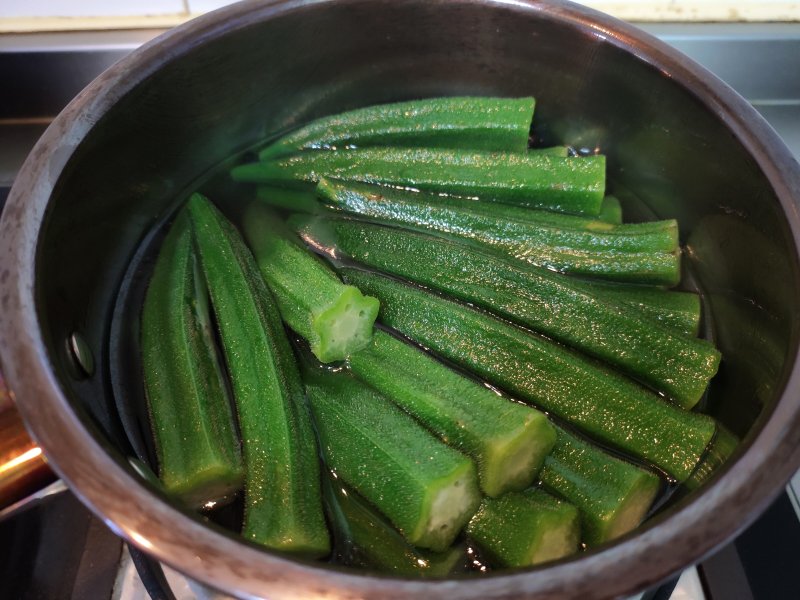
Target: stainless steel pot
(679,143)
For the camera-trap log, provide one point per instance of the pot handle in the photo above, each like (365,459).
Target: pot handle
(23,467)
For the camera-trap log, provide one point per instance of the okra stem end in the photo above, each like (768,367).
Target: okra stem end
(452,504)
(512,464)
(631,511)
(345,326)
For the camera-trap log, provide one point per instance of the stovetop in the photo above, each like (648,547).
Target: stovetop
(58,550)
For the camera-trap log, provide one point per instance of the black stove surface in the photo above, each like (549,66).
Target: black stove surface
(57,550)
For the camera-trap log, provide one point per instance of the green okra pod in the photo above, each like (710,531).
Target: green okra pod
(680,310)
(507,440)
(676,309)
(283,501)
(378,545)
(562,151)
(536,179)
(335,319)
(536,238)
(595,399)
(611,211)
(674,364)
(199,459)
(523,214)
(613,496)
(521,529)
(640,256)
(426,489)
(462,122)
(719,451)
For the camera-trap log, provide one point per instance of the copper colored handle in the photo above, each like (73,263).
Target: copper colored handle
(23,468)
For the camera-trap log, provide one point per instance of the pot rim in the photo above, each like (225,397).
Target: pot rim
(133,511)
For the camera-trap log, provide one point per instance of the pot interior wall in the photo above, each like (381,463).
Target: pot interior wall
(669,156)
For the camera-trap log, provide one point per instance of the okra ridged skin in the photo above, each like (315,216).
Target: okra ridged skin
(426,489)
(335,319)
(676,309)
(521,529)
(283,501)
(471,220)
(611,211)
(719,451)
(524,214)
(570,185)
(380,546)
(597,400)
(199,458)
(651,268)
(507,440)
(670,362)
(680,310)
(461,122)
(613,496)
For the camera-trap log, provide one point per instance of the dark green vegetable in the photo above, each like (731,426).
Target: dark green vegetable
(525,528)
(378,545)
(288,199)
(190,413)
(283,502)
(672,363)
(538,240)
(507,440)
(572,185)
(678,310)
(601,402)
(469,122)
(562,151)
(613,496)
(425,488)
(335,319)
(718,453)
(523,214)
(611,211)
(639,257)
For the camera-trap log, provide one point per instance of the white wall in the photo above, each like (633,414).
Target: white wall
(27,15)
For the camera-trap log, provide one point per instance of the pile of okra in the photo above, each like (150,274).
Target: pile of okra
(424,345)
